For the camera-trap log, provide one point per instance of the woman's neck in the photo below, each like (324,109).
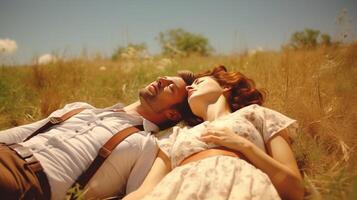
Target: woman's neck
(215,110)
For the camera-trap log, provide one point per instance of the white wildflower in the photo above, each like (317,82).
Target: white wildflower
(163,63)
(46,59)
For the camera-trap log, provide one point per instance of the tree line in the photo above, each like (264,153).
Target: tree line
(179,42)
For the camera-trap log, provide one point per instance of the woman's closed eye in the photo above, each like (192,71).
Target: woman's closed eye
(198,81)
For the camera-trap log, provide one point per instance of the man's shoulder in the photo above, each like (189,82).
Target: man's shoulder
(141,139)
(78,105)
(116,106)
(143,135)
(71,106)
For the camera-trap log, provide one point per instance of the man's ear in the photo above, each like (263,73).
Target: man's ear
(173,115)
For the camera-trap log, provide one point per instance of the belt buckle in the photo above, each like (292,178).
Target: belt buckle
(22,151)
(55,120)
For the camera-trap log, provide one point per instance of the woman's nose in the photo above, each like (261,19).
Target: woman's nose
(189,87)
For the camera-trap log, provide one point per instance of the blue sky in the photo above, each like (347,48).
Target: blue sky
(68,26)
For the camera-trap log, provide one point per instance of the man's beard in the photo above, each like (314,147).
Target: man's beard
(147,100)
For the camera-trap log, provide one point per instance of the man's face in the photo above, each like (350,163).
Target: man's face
(163,93)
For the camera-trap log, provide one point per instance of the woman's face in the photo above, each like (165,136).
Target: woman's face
(204,90)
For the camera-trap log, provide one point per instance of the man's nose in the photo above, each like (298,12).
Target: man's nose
(162,80)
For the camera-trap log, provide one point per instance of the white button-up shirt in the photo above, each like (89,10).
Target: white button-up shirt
(67,149)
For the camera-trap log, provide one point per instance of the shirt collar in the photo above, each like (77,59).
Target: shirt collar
(149,126)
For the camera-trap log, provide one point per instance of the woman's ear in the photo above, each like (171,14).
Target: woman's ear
(173,115)
(227,91)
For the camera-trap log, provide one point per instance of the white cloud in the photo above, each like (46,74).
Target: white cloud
(46,59)
(8,46)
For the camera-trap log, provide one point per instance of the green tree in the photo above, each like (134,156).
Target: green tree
(325,39)
(130,51)
(304,39)
(309,38)
(180,42)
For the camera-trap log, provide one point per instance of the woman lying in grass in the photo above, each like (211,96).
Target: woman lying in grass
(239,151)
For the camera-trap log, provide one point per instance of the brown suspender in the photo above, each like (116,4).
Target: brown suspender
(103,153)
(54,121)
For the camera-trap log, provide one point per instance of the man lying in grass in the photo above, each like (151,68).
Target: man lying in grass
(44,159)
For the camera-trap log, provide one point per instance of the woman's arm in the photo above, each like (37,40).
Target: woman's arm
(289,180)
(161,166)
(280,166)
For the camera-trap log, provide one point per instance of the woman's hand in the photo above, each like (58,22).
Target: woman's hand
(224,136)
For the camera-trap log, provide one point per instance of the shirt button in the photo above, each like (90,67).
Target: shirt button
(101,118)
(88,123)
(77,131)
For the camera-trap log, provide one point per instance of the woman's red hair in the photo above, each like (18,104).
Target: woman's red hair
(242,93)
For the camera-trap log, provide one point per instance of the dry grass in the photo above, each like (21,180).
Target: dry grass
(316,87)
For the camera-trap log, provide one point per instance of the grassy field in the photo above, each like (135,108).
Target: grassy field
(317,87)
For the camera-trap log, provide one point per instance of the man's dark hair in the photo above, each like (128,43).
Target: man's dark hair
(183,108)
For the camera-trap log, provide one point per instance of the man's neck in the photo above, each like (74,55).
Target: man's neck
(132,108)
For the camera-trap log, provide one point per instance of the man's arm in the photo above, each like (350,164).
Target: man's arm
(160,168)
(18,134)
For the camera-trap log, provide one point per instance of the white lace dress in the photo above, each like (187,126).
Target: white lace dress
(220,177)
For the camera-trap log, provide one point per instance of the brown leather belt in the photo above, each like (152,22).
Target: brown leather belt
(33,164)
(212,152)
